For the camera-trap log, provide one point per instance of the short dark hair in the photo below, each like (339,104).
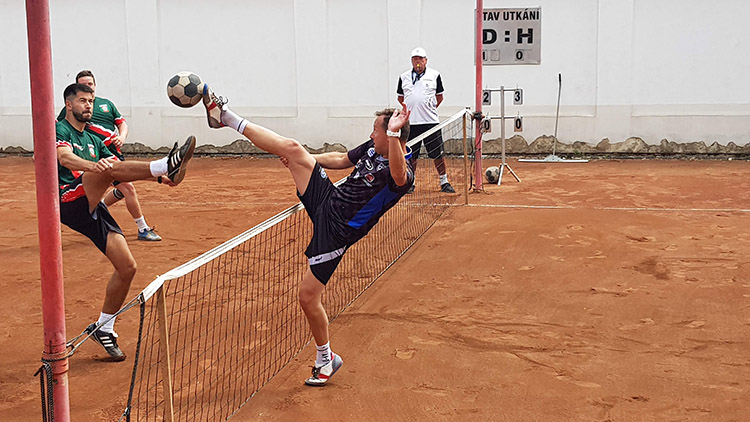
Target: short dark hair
(85,73)
(73,89)
(388,112)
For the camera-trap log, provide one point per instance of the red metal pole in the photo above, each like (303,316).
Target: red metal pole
(478,105)
(47,200)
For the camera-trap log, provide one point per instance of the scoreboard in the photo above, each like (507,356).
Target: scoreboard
(512,36)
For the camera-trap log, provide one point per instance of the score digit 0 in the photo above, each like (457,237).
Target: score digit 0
(518,124)
(486,125)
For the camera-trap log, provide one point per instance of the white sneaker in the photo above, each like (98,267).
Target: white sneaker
(321,375)
(213,104)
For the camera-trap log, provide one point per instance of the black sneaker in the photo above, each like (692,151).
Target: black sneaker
(178,158)
(108,341)
(411,190)
(447,188)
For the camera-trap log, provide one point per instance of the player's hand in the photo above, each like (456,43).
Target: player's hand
(103,165)
(284,161)
(167,181)
(117,141)
(399,119)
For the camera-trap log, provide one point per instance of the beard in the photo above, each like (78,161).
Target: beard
(81,117)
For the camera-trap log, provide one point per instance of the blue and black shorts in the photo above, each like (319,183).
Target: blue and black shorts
(325,250)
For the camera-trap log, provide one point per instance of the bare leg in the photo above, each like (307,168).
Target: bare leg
(96,184)
(125,267)
(131,199)
(310,297)
(301,163)
(440,165)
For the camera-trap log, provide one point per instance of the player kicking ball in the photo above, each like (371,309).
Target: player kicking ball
(340,215)
(86,168)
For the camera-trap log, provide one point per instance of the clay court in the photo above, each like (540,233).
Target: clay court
(617,290)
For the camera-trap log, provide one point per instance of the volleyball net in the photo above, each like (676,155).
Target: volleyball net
(214,330)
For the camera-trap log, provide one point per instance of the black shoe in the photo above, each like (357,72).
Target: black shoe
(108,341)
(447,188)
(411,190)
(178,158)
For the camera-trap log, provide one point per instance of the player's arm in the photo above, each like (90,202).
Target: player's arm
(439,90)
(120,124)
(75,163)
(400,92)
(122,128)
(396,159)
(333,160)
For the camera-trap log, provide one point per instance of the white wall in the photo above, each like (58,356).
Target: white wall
(317,69)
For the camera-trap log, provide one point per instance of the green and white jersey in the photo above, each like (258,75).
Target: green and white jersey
(85,145)
(104,119)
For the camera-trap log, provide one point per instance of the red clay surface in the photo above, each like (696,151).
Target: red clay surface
(606,291)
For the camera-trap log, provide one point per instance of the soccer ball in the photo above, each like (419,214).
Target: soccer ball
(492,174)
(185,89)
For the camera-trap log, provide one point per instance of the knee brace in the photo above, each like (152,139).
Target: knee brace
(118,195)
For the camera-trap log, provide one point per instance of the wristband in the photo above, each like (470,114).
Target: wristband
(394,134)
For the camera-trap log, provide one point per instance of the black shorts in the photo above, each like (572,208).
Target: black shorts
(433,143)
(325,250)
(96,225)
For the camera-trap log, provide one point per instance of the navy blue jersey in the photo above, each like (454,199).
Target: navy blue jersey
(367,193)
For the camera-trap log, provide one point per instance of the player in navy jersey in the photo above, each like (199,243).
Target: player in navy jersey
(341,215)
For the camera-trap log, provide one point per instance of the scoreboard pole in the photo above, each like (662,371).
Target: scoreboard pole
(478,62)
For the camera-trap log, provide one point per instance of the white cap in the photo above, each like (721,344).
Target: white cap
(418,52)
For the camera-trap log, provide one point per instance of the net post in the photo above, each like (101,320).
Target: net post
(166,373)
(466,164)
(47,203)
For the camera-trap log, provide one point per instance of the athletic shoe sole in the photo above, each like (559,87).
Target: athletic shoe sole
(190,142)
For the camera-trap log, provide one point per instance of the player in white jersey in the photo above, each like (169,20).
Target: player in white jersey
(421,89)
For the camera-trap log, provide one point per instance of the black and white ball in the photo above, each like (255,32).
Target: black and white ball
(185,89)
(492,174)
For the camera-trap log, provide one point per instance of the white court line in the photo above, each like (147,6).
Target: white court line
(568,207)
(510,206)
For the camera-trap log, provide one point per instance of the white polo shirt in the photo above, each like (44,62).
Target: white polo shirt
(419,93)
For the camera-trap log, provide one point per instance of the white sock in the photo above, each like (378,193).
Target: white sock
(443,179)
(159,167)
(109,326)
(324,354)
(231,119)
(141,222)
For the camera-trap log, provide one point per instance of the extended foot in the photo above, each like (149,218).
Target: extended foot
(321,375)
(108,341)
(447,188)
(213,104)
(178,158)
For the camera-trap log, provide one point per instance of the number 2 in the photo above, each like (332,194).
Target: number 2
(486,97)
